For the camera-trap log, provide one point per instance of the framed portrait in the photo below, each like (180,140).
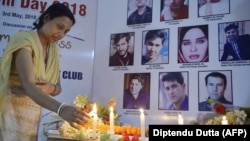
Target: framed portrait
(122,49)
(173,86)
(155,46)
(193,44)
(136,91)
(171,10)
(234,40)
(219,7)
(135,7)
(215,85)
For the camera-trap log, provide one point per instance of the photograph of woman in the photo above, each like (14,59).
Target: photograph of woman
(193,44)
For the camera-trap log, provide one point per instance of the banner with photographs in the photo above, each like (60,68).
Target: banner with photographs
(191,51)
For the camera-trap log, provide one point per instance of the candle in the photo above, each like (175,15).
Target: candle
(224,120)
(142,119)
(94,119)
(180,120)
(111,120)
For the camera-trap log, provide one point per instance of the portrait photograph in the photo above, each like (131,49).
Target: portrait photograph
(136,91)
(174,10)
(216,86)
(193,44)
(139,12)
(173,91)
(213,7)
(234,41)
(122,49)
(155,46)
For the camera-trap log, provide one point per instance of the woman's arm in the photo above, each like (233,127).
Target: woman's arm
(24,66)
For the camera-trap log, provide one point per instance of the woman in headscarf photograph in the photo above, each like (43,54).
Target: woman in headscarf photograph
(193,44)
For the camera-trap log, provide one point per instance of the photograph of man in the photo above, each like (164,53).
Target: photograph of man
(217,88)
(193,44)
(174,10)
(155,49)
(236,47)
(173,91)
(136,91)
(213,7)
(122,49)
(142,14)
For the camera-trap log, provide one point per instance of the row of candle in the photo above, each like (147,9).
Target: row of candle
(142,121)
(181,120)
(224,120)
(111,121)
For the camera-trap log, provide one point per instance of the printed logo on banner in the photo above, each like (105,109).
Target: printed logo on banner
(64,44)
(72,75)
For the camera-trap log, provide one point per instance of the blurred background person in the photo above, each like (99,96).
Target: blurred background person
(122,56)
(237,47)
(173,10)
(143,13)
(153,42)
(213,7)
(193,44)
(216,83)
(135,96)
(174,89)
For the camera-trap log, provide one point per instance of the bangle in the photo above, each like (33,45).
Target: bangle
(55,89)
(59,110)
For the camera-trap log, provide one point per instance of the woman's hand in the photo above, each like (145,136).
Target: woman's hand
(74,116)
